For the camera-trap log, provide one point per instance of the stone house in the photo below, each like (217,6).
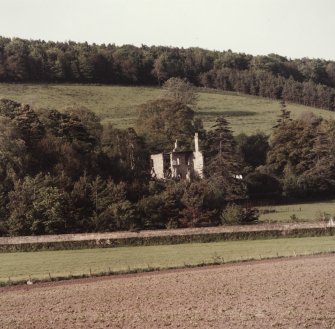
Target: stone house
(178,164)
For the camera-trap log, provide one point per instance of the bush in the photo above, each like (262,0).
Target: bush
(196,202)
(262,185)
(236,214)
(152,212)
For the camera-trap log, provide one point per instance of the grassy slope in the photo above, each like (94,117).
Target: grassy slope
(19,266)
(117,105)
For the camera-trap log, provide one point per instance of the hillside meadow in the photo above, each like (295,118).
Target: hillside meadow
(118,105)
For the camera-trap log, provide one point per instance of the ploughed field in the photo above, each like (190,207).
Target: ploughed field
(283,293)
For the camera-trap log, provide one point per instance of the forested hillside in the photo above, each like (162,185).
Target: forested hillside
(65,172)
(305,81)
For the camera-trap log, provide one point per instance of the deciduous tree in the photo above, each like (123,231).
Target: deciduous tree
(180,90)
(163,121)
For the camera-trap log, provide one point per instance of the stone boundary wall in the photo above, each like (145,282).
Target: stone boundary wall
(207,234)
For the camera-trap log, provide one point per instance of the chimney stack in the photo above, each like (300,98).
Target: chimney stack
(176,146)
(196,142)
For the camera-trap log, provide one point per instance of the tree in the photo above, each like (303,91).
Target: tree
(12,149)
(37,207)
(163,121)
(13,161)
(263,186)
(29,126)
(224,165)
(72,141)
(236,214)
(167,65)
(291,144)
(162,207)
(81,207)
(172,203)
(284,116)
(196,202)
(126,154)
(109,201)
(86,66)
(152,214)
(301,155)
(180,90)
(253,148)
(16,60)
(320,176)
(9,108)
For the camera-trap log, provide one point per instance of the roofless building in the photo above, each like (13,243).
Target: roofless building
(178,164)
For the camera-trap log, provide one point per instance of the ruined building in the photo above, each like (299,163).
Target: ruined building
(178,164)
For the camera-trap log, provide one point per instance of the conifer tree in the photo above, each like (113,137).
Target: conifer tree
(285,115)
(224,166)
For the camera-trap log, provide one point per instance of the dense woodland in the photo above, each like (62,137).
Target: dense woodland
(63,172)
(305,81)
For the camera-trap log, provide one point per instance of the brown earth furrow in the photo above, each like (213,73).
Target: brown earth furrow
(282,293)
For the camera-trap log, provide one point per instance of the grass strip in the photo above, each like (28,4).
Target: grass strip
(60,265)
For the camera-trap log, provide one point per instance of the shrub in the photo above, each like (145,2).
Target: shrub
(152,212)
(196,202)
(263,185)
(236,214)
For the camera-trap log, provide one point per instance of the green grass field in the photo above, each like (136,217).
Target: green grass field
(118,105)
(21,265)
(302,212)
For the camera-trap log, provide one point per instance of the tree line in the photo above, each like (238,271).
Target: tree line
(306,81)
(63,172)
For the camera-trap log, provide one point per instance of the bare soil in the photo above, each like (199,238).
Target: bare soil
(283,293)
